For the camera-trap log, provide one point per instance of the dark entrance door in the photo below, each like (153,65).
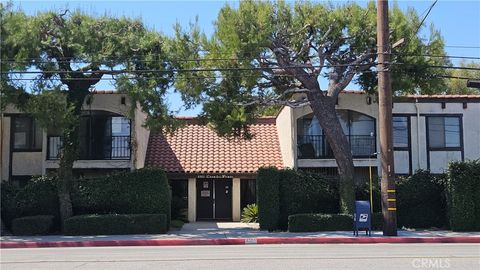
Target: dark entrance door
(204,199)
(223,199)
(214,199)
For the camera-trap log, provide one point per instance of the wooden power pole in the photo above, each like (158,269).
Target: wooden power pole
(389,208)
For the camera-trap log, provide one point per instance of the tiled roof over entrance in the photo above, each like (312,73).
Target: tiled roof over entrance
(197,148)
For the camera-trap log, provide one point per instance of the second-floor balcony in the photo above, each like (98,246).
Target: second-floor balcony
(101,148)
(316,146)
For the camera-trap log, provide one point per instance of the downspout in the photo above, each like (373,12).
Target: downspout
(418,133)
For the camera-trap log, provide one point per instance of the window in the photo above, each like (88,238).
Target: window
(27,136)
(400,132)
(444,132)
(359,129)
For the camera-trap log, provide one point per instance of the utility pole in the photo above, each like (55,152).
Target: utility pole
(389,206)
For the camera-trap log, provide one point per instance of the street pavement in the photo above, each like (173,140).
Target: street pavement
(306,256)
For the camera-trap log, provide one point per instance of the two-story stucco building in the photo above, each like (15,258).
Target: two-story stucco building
(106,139)
(216,176)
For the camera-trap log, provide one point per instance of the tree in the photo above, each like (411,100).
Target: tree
(265,53)
(459,86)
(62,56)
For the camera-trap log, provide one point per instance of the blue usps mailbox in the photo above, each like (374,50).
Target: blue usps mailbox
(362,218)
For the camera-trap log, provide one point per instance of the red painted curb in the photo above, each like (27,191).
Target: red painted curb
(242,241)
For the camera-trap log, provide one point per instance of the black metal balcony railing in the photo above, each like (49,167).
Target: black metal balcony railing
(316,146)
(103,148)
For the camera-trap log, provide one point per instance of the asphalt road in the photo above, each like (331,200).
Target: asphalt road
(337,256)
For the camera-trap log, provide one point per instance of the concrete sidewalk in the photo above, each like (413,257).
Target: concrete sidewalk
(217,233)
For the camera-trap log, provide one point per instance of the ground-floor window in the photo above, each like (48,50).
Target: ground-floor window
(248,192)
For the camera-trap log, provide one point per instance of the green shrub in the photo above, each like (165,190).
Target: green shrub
(319,222)
(305,192)
(37,197)
(179,208)
(32,225)
(138,192)
(176,223)
(421,201)
(268,198)
(250,214)
(115,224)
(8,202)
(377,221)
(463,187)
(362,193)
(281,193)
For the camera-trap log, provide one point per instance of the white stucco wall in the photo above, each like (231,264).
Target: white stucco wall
(140,140)
(439,160)
(286,136)
(108,102)
(401,161)
(27,163)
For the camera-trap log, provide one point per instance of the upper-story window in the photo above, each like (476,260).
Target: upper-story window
(400,132)
(444,132)
(27,135)
(359,129)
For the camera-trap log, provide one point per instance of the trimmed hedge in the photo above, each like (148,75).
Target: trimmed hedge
(281,193)
(305,192)
(328,222)
(32,225)
(144,191)
(463,186)
(115,224)
(320,222)
(421,201)
(38,197)
(268,198)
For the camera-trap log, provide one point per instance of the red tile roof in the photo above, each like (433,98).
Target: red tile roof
(197,148)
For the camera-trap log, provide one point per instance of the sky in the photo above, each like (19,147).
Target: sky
(458,21)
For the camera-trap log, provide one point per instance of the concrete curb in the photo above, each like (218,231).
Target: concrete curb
(242,241)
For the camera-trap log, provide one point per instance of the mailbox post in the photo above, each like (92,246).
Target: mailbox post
(362,218)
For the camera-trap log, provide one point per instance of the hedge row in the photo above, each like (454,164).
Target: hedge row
(421,201)
(141,191)
(268,198)
(281,193)
(32,225)
(327,222)
(144,191)
(115,224)
(463,186)
(38,197)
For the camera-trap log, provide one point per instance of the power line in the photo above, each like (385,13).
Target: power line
(172,71)
(423,20)
(106,61)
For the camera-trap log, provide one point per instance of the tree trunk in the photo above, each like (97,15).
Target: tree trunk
(69,151)
(324,109)
(65,174)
